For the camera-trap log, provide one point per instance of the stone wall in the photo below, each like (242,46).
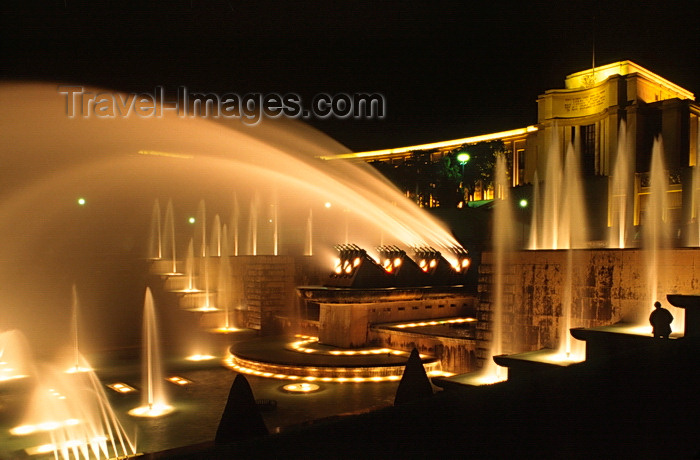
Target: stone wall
(457,355)
(267,283)
(607,286)
(347,324)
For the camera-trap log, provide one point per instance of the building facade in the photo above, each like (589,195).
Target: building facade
(613,115)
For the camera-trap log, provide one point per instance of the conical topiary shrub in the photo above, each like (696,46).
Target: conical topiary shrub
(241,418)
(415,383)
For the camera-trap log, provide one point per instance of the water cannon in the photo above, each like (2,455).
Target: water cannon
(428,258)
(355,268)
(392,257)
(350,257)
(463,261)
(442,272)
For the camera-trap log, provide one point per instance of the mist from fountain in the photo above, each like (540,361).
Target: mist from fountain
(154,402)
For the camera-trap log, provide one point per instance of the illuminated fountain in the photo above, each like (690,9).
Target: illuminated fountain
(77,365)
(67,412)
(15,357)
(309,240)
(235,217)
(656,236)
(693,235)
(119,166)
(561,223)
(155,243)
(621,193)
(163,157)
(224,288)
(154,402)
(253,226)
(215,239)
(502,249)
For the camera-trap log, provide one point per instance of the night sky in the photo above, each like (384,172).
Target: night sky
(447,69)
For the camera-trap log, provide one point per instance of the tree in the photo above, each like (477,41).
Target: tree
(481,164)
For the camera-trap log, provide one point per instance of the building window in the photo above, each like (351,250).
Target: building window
(588,157)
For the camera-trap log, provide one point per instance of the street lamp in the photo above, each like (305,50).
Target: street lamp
(523,203)
(463,158)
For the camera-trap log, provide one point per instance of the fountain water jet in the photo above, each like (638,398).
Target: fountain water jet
(235,217)
(155,244)
(169,251)
(200,230)
(189,268)
(559,221)
(502,247)
(154,402)
(215,239)
(15,357)
(309,251)
(620,196)
(275,226)
(224,296)
(656,234)
(253,226)
(77,367)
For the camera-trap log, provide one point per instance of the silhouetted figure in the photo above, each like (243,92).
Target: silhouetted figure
(415,383)
(241,418)
(660,320)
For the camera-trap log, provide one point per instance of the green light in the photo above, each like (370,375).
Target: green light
(81,201)
(523,203)
(192,220)
(463,157)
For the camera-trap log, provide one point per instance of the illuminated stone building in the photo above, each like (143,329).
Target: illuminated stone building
(589,112)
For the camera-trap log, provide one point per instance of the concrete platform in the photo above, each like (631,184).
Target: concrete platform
(606,341)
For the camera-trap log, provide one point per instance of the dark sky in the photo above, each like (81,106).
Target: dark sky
(447,69)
